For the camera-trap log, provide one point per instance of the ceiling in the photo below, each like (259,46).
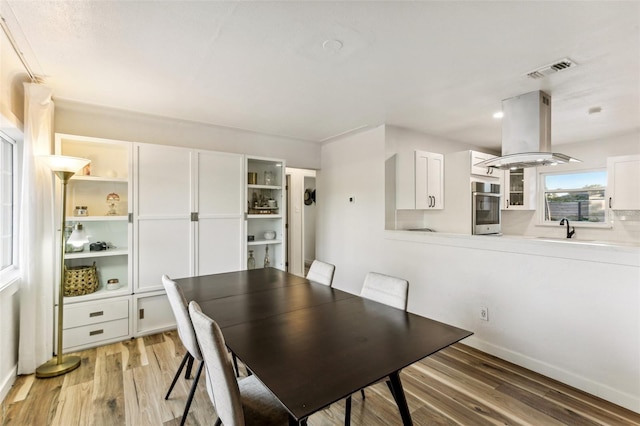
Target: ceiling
(316,70)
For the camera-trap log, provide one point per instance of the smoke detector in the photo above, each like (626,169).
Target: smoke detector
(552,68)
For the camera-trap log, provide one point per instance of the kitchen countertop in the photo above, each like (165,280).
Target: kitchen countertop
(592,251)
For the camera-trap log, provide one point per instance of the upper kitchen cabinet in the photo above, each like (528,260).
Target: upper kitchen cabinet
(623,186)
(188,213)
(419,180)
(266,205)
(519,189)
(478,157)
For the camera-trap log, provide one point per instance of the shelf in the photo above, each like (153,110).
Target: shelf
(101,253)
(99,179)
(100,293)
(264,216)
(263,242)
(265,186)
(97,218)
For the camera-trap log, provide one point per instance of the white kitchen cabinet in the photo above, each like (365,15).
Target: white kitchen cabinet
(266,203)
(478,157)
(519,189)
(87,192)
(188,214)
(419,180)
(623,182)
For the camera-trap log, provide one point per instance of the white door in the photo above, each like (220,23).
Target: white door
(162,215)
(220,206)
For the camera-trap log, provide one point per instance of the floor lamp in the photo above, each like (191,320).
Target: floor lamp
(64,167)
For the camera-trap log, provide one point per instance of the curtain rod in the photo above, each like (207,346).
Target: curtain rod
(14,44)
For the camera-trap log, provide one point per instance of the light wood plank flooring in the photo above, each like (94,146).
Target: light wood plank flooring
(125,384)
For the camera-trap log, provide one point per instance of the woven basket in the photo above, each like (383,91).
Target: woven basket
(79,280)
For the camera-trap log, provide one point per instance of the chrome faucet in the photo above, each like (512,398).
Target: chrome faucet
(571,233)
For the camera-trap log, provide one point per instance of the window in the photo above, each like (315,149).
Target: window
(7,188)
(578,196)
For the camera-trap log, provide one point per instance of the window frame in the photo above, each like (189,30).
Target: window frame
(605,224)
(10,273)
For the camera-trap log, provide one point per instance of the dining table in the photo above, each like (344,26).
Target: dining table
(310,344)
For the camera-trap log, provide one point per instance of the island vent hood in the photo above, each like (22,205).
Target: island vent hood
(526,134)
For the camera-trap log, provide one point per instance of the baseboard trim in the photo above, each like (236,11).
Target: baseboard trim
(7,382)
(606,392)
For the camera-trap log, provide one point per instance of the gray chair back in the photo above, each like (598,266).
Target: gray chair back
(321,272)
(183,320)
(221,380)
(385,289)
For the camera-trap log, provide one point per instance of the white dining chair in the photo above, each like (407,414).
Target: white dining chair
(385,289)
(237,402)
(321,272)
(187,336)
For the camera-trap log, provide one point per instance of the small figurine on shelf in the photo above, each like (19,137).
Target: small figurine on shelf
(251,261)
(267,262)
(112,203)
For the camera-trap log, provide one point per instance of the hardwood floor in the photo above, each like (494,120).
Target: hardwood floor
(125,384)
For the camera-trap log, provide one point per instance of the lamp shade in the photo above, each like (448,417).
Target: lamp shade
(63,163)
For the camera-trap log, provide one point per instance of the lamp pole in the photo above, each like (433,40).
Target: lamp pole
(64,168)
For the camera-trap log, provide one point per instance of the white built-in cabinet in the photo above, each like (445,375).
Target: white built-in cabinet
(188,220)
(518,189)
(266,206)
(181,213)
(623,182)
(419,180)
(103,316)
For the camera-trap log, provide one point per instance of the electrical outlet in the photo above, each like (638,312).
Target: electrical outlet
(484,313)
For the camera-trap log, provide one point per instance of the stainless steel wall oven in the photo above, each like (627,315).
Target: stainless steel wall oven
(485,208)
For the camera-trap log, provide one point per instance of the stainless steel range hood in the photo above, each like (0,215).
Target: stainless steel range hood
(526,134)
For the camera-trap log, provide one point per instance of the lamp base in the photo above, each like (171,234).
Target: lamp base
(52,368)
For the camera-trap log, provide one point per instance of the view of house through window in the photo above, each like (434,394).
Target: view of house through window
(6,202)
(578,196)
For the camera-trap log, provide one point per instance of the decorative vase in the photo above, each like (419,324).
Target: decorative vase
(267,262)
(251,261)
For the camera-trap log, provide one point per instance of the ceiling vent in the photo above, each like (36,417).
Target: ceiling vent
(553,68)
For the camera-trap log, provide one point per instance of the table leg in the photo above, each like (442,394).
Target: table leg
(401,401)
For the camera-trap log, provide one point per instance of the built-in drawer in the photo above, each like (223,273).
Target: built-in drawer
(93,333)
(94,312)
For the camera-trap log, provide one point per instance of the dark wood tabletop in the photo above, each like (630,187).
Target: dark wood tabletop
(310,344)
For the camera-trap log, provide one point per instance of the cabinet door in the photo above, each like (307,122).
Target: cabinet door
(220,207)
(429,168)
(478,157)
(163,205)
(435,174)
(152,314)
(623,186)
(518,189)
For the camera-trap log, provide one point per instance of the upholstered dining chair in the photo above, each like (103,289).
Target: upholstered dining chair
(237,402)
(187,336)
(321,272)
(385,289)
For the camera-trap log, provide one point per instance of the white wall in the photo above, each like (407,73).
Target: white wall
(297,219)
(569,312)
(12,77)
(87,120)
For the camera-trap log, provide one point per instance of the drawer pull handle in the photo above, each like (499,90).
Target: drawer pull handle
(141,314)
(95,332)
(96,314)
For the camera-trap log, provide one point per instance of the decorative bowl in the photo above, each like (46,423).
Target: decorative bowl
(270,235)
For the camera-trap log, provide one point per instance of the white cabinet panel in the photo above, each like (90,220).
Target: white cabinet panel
(219,247)
(478,157)
(518,189)
(164,247)
(152,314)
(95,312)
(94,334)
(419,180)
(163,180)
(220,184)
(623,184)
